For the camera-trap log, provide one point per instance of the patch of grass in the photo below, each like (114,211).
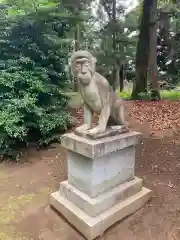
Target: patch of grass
(76,100)
(170,95)
(12,206)
(10,209)
(125,94)
(6,235)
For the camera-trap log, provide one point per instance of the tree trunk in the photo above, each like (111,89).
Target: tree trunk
(142,54)
(117,79)
(165,27)
(77,38)
(153,72)
(121,75)
(76,48)
(114,43)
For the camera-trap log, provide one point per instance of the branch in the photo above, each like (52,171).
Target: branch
(106,9)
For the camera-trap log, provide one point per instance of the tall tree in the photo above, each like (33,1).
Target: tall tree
(153,72)
(116,68)
(168,29)
(77,9)
(112,39)
(142,54)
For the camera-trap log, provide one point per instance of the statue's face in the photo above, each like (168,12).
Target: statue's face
(82,65)
(83,70)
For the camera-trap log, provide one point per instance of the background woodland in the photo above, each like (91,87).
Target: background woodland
(138,51)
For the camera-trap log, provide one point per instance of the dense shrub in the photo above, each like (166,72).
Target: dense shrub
(32,76)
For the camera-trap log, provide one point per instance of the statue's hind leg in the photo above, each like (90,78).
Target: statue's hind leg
(117,113)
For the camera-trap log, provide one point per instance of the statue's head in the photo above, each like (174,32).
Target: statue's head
(83,66)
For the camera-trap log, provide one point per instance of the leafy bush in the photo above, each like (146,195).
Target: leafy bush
(32,76)
(144,96)
(31,107)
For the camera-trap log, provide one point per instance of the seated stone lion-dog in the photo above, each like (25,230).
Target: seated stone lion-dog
(97,94)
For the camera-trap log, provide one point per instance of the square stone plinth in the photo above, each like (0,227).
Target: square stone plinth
(103,202)
(92,227)
(95,166)
(100,147)
(97,175)
(101,188)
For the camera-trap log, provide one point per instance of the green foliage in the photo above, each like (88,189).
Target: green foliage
(141,96)
(125,95)
(32,64)
(144,96)
(36,39)
(112,45)
(27,6)
(170,95)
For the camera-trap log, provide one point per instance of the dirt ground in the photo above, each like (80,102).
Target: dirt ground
(24,187)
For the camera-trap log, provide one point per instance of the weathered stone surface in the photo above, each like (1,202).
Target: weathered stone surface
(92,227)
(103,202)
(97,94)
(95,176)
(99,147)
(110,131)
(101,187)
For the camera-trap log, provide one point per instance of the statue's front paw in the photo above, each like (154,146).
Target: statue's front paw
(94,131)
(126,125)
(82,128)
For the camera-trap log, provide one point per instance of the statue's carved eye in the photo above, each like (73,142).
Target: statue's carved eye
(86,63)
(78,65)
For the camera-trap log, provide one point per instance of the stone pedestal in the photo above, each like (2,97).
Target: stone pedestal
(101,188)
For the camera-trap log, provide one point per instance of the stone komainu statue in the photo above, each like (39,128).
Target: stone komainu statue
(97,94)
